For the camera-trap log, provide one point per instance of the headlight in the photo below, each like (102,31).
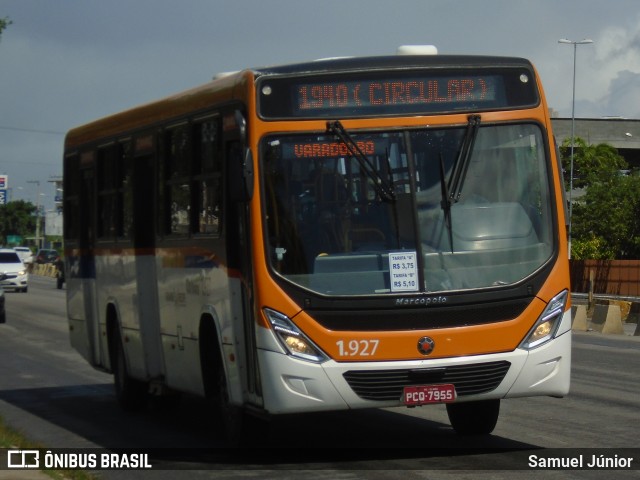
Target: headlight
(292,339)
(547,324)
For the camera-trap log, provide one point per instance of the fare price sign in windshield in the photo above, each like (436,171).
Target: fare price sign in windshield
(403,271)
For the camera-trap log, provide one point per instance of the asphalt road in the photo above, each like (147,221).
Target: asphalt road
(50,393)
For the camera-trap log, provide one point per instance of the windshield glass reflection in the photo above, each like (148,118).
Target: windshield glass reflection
(332,230)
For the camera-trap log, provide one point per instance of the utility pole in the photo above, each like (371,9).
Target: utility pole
(37,183)
(586,41)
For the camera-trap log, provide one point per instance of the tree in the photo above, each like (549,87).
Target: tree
(17,218)
(4,23)
(590,162)
(606,220)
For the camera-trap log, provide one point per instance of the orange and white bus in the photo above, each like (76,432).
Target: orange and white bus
(340,234)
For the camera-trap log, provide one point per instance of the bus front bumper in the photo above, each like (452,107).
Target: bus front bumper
(295,386)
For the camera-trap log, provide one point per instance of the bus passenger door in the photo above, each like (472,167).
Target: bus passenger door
(239,252)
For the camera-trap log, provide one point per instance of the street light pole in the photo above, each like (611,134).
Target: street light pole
(573,125)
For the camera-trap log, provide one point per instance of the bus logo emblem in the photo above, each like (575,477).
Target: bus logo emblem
(426,345)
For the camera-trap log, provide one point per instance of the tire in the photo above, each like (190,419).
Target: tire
(230,421)
(474,418)
(132,395)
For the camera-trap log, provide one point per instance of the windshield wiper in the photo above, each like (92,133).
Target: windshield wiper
(459,173)
(382,188)
(446,202)
(451,192)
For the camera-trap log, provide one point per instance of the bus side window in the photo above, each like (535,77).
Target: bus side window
(177,188)
(113,176)
(107,198)
(125,190)
(207,178)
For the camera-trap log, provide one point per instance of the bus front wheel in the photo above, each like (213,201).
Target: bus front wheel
(474,418)
(228,419)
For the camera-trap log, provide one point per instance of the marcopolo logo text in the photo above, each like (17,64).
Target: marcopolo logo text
(418,301)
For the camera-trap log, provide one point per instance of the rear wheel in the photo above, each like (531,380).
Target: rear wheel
(474,418)
(131,394)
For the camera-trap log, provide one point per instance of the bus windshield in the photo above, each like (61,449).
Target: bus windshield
(332,231)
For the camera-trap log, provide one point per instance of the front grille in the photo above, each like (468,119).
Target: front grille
(386,385)
(442,316)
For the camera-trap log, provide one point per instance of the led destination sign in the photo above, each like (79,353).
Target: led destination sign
(465,91)
(329,149)
(319,148)
(394,93)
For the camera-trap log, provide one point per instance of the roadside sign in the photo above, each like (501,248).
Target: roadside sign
(3,196)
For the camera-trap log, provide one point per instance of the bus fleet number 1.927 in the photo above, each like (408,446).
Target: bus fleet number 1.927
(357,348)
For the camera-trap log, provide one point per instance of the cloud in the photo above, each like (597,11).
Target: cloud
(612,86)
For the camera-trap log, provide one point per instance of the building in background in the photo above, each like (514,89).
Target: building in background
(621,133)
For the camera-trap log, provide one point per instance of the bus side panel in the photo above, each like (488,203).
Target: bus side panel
(81,308)
(179,321)
(76,314)
(117,289)
(146,309)
(191,286)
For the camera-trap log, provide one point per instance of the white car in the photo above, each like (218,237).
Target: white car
(25,254)
(12,271)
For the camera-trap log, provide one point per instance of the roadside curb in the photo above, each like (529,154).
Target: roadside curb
(43,269)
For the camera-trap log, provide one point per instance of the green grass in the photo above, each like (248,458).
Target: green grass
(11,438)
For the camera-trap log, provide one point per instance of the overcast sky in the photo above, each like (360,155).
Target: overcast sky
(66,62)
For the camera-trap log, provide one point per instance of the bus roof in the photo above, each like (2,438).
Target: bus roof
(228,88)
(346,64)
(224,89)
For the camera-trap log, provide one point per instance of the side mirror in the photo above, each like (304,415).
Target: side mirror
(247,174)
(240,173)
(239,161)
